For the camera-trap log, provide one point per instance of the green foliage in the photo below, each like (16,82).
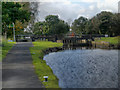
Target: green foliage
(103,23)
(12,12)
(41,28)
(52,19)
(41,68)
(105,18)
(61,27)
(115,22)
(6,47)
(78,25)
(51,26)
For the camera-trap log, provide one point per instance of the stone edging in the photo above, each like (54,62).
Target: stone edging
(54,49)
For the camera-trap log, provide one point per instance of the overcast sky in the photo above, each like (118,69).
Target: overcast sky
(69,10)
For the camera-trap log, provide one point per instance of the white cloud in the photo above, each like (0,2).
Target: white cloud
(72,9)
(91,7)
(109,5)
(89,1)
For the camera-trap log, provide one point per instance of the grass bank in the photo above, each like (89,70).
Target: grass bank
(111,40)
(107,43)
(5,47)
(41,68)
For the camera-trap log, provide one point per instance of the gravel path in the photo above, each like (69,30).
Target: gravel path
(17,68)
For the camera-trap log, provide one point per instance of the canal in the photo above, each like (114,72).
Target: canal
(85,68)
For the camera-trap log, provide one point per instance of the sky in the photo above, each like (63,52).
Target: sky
(69,10)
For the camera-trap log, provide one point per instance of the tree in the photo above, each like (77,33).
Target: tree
(19,27)
(38,28)
(12,12)
(51,21)
(61,27)
(115,25)
(33,8)
(51,26)
(105,25)
(78,25)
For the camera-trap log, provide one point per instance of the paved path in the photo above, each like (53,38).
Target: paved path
(17,68)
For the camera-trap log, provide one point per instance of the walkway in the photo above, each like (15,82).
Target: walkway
(17,68)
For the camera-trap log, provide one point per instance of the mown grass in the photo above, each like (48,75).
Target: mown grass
(111,40)
(6,46)
(41,68)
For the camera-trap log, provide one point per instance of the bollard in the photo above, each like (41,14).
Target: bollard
(46,78)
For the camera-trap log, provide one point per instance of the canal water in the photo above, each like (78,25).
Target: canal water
(86,68)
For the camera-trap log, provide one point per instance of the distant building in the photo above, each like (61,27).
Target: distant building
(71,34)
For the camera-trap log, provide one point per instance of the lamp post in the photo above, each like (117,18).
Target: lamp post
(14,32)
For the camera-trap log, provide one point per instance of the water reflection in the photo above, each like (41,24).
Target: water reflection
(85,68)
(75,48)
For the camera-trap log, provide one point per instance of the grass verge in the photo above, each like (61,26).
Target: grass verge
(111,40)
(5,47)
(41,68)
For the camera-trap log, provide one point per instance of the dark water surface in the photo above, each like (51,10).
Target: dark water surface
(95,68)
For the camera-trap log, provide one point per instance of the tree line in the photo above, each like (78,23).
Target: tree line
(21,15)
(51,26)
(103,23)
(14,13)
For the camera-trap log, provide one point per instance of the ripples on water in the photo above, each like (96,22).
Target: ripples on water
(85,68)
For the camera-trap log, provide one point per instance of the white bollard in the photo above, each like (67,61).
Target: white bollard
(46,78)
